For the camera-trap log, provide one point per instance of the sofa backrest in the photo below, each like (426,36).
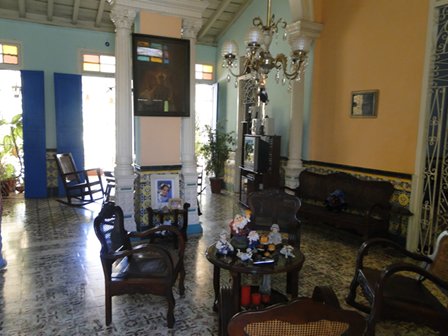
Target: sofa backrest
(359,194)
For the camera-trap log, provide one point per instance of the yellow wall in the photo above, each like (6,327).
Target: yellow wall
(160,136)
(368,44)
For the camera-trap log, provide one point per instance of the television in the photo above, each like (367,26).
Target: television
(255,153)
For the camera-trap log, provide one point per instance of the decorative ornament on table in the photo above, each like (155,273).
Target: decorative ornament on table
(264,239)
(239,231)
(222,245)
(248,214)
(287,251)
(244,256)
(254,239)
(238,225)
(274,236)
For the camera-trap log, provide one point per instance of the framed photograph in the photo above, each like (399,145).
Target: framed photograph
(161,74)
(364,103)
(164,187)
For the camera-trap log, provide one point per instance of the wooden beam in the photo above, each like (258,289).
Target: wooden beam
(236,16)
(99,13)
(213,18)
(75,13)
(22,8)
(50,10)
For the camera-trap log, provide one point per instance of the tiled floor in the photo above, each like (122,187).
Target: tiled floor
(53,284)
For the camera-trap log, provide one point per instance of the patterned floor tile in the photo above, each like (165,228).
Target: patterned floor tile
(54,282)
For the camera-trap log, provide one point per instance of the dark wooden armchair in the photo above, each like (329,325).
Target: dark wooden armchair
(145,268)
(274,206)
(415,290)
(320,315)
(175,217)
(81,186)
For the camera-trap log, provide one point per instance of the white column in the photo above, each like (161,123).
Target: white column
(123,18)
(189,173)
(294,165)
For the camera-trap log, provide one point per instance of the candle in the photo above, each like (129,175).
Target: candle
(265,298)
(256,299)
(245,295)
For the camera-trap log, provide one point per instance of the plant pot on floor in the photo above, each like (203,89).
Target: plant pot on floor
(216,184)
(8,186)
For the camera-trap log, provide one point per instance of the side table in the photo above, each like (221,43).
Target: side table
(236,267)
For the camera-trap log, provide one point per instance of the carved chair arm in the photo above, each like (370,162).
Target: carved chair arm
(151,232)
(82,173)
(406,267)
(117,255)
(367,245)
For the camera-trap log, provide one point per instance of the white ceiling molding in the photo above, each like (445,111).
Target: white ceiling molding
(184,9)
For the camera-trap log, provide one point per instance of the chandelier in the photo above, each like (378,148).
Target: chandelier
(258,60)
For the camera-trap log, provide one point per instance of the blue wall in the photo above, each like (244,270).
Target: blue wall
(53,49)
(279,96)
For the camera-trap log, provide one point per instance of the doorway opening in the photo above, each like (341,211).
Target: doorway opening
(206,101)
(206,109)
(99,122)
(12,170)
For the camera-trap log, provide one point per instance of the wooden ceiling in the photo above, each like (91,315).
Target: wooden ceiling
(95,15)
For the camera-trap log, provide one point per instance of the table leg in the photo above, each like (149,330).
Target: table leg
(292,284)
(216,286)
(236,289)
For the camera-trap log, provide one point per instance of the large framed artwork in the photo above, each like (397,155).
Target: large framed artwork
(161,73)
(164,187)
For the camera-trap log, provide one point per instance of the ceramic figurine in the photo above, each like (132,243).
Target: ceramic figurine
(238,225)
(248,214)
(274,236)
(287,251)
(244,256)
(222,245)
(254,239)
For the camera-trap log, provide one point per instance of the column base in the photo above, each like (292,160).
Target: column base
(292,173)
(190,195)
(124,197)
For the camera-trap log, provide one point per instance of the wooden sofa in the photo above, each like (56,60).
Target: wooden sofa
(367,209)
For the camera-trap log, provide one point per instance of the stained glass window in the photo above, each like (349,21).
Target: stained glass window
(152,52)
(92,62)
(204,72)
(9,53)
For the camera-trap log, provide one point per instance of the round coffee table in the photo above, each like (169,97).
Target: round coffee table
(236,267)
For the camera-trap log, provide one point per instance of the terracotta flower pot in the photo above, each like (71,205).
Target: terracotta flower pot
(216,184)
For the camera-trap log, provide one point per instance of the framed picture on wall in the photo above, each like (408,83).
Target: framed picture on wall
(161,75)
(164,187)
(364,103)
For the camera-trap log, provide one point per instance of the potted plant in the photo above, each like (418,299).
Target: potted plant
(215,152)
(8,178)
(11,155)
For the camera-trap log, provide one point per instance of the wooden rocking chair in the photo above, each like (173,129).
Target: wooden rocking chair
(81,186)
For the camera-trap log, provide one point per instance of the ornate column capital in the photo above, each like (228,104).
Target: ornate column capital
(190,28)
(123,16)
(303,28)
